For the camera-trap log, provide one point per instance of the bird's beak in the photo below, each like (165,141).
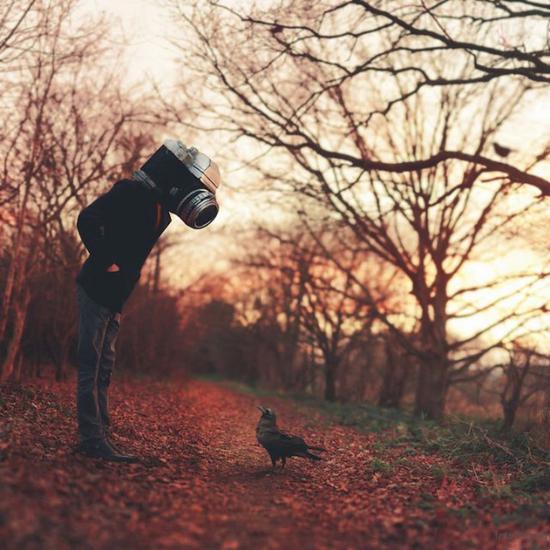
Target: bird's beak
(261,409)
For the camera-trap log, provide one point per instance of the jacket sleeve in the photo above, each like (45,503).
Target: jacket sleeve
(92,222)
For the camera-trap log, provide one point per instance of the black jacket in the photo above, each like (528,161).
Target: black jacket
(120,227)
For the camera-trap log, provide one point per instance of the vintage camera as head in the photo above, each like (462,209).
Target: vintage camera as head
(185,179)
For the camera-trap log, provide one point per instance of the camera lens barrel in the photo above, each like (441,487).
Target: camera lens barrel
(198,208)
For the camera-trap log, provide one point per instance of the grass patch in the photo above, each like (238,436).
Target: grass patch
(464,512)
(538,480)
(404,461)
(240,386)
(380,467)
(438,473)
(426,501)
(526,514)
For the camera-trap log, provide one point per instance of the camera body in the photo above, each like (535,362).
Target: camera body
(185,179)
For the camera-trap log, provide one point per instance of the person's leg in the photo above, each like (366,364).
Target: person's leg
(106,364)
(94,324)
(94,320)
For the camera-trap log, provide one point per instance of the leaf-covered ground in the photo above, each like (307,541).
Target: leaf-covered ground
(205,483)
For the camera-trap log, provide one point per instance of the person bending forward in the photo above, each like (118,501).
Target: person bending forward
(119,229)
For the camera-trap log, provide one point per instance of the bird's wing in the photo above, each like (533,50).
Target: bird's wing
(274,438)
(294,438)
(299,442)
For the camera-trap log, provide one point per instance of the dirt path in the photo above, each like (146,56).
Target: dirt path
(206,483)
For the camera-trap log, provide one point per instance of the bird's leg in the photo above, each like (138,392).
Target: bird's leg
(274,463)
(283,461)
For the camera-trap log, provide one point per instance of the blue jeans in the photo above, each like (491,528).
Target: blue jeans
(98,331)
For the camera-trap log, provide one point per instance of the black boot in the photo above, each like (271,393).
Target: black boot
(101,449)
(116,448)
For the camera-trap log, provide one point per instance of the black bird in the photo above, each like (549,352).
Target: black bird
(275,29)
(501,151)
(278,444)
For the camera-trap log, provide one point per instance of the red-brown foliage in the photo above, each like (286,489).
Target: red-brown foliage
(205,483)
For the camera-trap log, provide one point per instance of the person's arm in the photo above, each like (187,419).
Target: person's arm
(91,226)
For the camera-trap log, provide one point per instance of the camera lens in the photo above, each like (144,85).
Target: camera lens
(198,208)
(206,216)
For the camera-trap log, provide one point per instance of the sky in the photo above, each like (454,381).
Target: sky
(146,25)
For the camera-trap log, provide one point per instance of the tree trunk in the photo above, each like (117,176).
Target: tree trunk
(15,263)
(61,368)
(285,356)
(8,290)
(15,342)
(433,376)
(330,382)
(18,374)
(511,404)
(509,409)
(431,389)
(393,387)
(395,377)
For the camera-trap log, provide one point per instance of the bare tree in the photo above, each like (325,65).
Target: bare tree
(21,24)
(430,225)
(297,54)
(494,38)
(397,370)
(306,310)
(523,373)
(57,143)
(277,283)
(416,183)
(335,321)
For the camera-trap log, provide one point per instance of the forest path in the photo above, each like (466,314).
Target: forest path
(205,483)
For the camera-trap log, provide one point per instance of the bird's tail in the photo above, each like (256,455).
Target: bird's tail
(322,449)
(311,456)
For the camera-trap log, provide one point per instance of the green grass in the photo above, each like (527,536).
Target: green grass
(538,480)
(380,466)
(438,472)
